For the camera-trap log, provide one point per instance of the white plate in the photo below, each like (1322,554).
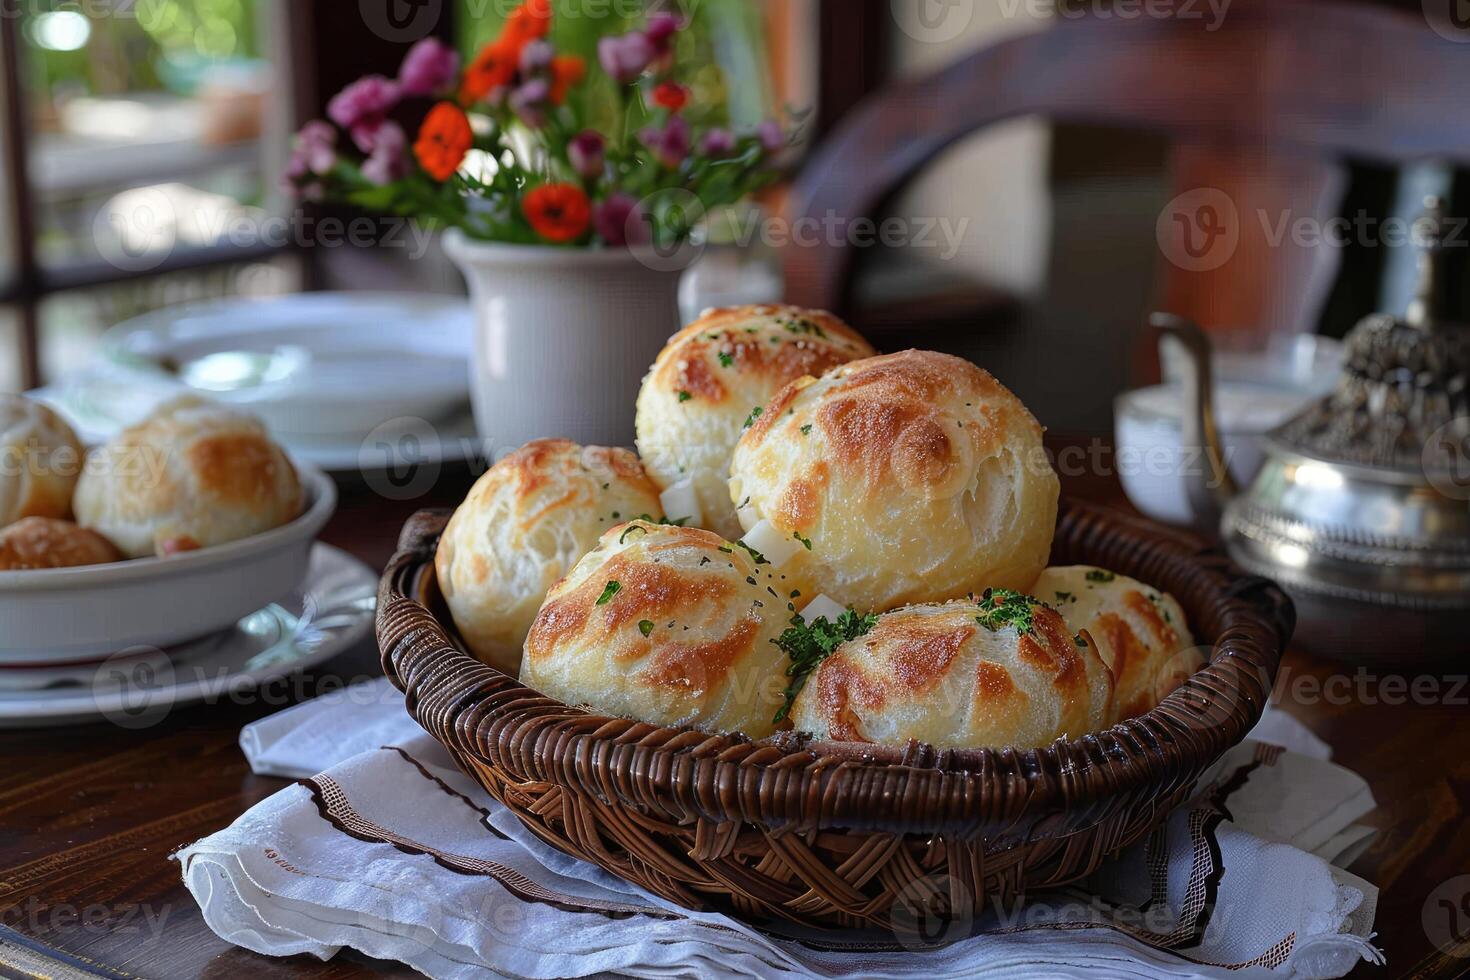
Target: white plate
(58,615)
(97,407)
(332,611)
(332,365)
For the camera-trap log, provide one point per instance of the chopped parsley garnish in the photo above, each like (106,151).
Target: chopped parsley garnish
(726,359)
(608,591)
(616,515)
(755,413)
(645,626)
(1098,575)
(684,396)
(807,644)
(1000,608)
(805,541)
(806,430)
(728,551)
(629,530)
(760,559)
(1064,597)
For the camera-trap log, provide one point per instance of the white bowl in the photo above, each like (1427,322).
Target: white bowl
(308,364)
(60,615)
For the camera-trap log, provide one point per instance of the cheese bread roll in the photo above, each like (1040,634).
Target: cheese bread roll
(523,525)
(1140,632)
(1003,671)
(912,477)
(711,376)
(668,625)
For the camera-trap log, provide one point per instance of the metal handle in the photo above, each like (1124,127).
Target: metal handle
(1209,487)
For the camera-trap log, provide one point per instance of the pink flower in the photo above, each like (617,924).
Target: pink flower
(670,144)
(661,29)
(365,101)
(389,159)
(771,136)
(585,153)
(619,220)
(528,102)
(430,67)
(718,142)
(367,134)
(314,149)
(625,58)
(536,56)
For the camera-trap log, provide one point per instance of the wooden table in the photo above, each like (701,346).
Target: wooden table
(89,815)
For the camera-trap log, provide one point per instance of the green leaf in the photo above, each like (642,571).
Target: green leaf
(608,591)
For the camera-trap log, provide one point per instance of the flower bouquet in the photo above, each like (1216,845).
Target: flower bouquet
(505,150)
(569,188)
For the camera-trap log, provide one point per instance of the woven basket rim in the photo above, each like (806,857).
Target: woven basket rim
(790,783)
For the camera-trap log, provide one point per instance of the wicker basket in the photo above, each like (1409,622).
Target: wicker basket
(836,835)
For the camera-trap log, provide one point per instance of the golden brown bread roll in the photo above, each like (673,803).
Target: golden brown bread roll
(1001,671)
(668,625)
(44,542)
(40,460)
(911,477)
(191,475)
(523,526)
(704,384)
(1140,632)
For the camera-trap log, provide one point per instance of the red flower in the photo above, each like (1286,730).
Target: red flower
(566,70)
(444,139)
(671,95)
(558,212)
(494,67)
(528,22)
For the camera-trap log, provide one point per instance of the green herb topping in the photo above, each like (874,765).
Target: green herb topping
(805,541)
(608,591)
(1098,575)
(645,626)
(755,413)
(684,396)
(726,359)
(807,644)
(1000,608)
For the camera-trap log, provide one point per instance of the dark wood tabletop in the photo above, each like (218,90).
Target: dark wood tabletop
(90,814)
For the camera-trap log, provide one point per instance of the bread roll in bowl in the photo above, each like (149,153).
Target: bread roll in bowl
(44,542)
(711,375)
(668,625)
(911,477)
(1140,632)
(40,461)
(523,526)
(1003,671)
(191,475)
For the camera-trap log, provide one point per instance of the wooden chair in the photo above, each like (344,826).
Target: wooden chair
(1265,109)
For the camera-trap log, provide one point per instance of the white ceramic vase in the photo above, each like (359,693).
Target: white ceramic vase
(563,337)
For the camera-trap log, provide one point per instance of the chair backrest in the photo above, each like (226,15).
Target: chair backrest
(1277,79)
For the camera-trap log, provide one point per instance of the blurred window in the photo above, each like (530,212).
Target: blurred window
(147,129)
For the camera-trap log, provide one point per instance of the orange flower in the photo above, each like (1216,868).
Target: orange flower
(444,139)
(529,21)
(558,212)
(566,70)
(492,68)
(671,95)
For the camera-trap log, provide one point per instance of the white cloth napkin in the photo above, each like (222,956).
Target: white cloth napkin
(388,849)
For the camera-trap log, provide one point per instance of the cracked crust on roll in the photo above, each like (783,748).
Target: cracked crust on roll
(713,375)
(935,674)
(668,625)
(916,476)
